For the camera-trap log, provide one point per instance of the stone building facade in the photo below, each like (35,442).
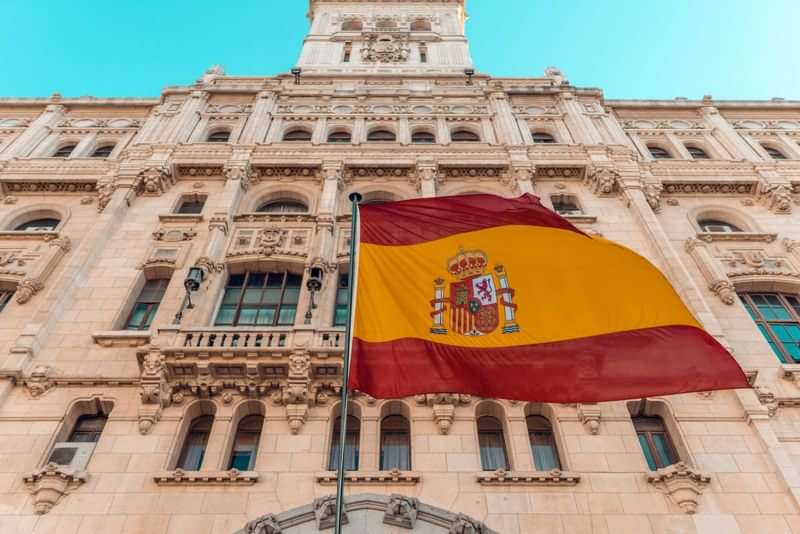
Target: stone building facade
(126,409)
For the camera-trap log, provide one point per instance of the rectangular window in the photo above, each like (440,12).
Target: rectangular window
(260,299)
(342,295)
(147,304)
(191,205)
(654,440)
(777,316)
(5,297)
(566,205)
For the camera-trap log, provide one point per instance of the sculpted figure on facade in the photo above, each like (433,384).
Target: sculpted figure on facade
(385,48)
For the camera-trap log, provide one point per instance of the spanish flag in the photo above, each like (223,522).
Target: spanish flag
(503,298)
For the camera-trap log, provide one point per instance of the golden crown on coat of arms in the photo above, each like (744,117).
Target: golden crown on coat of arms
(467,263)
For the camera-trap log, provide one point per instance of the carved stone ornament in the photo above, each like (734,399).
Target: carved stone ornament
(718,281)
(105,189)
(270,239)
(444,407)
(589,415)
(466,525)
(603,181)
(27,289)
(652,193)
(266,524)
(426,178)
(39,382)
(401,511)
(48,484)
(210,266)
(520,179)
(325,512)
(241,172)
(63,243)
(682,483)
(155,391)
(385,48)
(154,181)
(778,197)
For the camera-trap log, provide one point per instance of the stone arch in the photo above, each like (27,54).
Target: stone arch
(490,408)
(662,408)
(296,129)
(268,193)
(241,410)
(353,409)
(192,411)
(722,213)
(547,411)
(78,407)
(37,211)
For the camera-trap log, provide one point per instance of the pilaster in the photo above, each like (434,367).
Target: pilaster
(35,133)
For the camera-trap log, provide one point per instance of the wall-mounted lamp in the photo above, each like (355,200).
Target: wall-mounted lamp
(313,284)
(296,73)
(191,283)
(469,73)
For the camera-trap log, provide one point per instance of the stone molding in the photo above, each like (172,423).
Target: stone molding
(48,484)
(443,407)
(122,338)
(777,197)
(501,477)
(682,483)
(393,477)
(231,477)
(589,415)
(603,181)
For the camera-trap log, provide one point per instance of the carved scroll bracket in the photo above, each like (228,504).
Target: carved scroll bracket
(777,197)
(589,415)
(48,484)
(682,483)
(444,407)
(155,390)
(718,282)
(603,181)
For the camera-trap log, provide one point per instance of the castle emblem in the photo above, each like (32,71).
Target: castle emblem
(476,298)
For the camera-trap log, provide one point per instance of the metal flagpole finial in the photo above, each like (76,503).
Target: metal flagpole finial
(355,197)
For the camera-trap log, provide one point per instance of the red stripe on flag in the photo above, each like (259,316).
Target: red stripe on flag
(619,366)
(424,219)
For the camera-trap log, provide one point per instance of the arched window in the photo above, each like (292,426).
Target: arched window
(283,205)
(46,224)
(543,443)
(566,204)
(5,297)
(263,299)
(543,138)
(774,153)
(659,153)
(245,444)
(352,25)
(464,136)
(339,137)
(656,445)
(423,138)
(395,443)
(194,446)
(88,428)
(219,136)
(717,226)
(298,134)
(381,135)
(697,153)
(103,151)
(777,316)
(492,444)
(147,304)
(351,444)
(420,25)
(65,151)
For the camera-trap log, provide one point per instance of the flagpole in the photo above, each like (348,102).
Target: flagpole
(355,198)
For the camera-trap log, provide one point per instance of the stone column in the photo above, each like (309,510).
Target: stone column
(727,135)
(581,128)
(318,136)
(404,131)
(35,133)
(508,132)
(442,131)
(183,124)
(359,131)
(426,178)
(84,148)
(255,131)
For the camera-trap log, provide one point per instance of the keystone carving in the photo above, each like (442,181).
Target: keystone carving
(385,48)
(682,483)
(603,181)
(589,415)
(154,181)
(270,239)
(325,512)
(209,266)
(266,524)
(444,407)
(466,525)
(48,484)
(778,197)
(718,281)
(401,511)
(652,193)
(520,179)
(425,179)
(39,381)
(105,189)
(27,289)
(218,222)
(155,391)
(241,172)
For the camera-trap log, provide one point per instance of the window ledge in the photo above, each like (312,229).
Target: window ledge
(791,371)
(28,235)
(528,478)
(710,237)
(231,477)
(181,217)
(122,338)
(395,476)
(581,219)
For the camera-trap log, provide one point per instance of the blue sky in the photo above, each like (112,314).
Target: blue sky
(731,49)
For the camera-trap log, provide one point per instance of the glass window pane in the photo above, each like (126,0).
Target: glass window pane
(137,316)
(293,280)
(236,280)
(247,316)
(340,316)
(663,449)
(291,295)
(266,316)
(252,296)
(225,315)
(772,344)
(256,280)
(241,460)
(493,451)
(272,296)
(395,451)
(275,280)
(648,454)
(544,457)
(231,296)
(286,316)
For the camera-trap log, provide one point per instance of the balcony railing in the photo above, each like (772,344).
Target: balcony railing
(235,338)
(333,338)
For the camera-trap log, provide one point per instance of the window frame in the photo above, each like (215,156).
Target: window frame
(429,136)
(543,138)
(93,434)
(353,431)
(774,153)
(374,136)
(307,135)
(278,307)
(695,150)
(282,200)
(467,136)
(151,306)
(640,425)
(546,437)
(385,433)
(58,154)
(192,198)
(105,147)
(241,432)
(5,297)
(482,433)
(210,138)
(342,286)
(663,153)
(19,227)
(340,140)
(558,199)
(196,421)
(765,325)
(731,228)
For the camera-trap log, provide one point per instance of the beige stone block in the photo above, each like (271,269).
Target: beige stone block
(133,503)
(503,523)
(306,462)
(440,489)
(227,524)
(108,463)
(629,524)
(259,504)
(794,523)
(730,503)
(601,443)
(147,463)
(175,499)
(742,483)
(577,524)
(294,490)
(293,443)
(553,503)
(753,463)
(87,503)
(462,462)
(613,483)
(146,524)
(715,524)
(644,503)
(58,524)
(604,503)
(225,503)
(672,524)
(541,524)
(444,443)
(761,524)
(107,524)
(429,462)
(474,502)
(507,503)
(588,463)
(628,462)
(194,524)
(775,503)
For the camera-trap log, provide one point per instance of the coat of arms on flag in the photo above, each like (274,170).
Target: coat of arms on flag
(473,305)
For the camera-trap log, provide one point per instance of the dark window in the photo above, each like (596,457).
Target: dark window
(5,298)
(543,443)
(194,447)
(220,136)
(147,304)
(655,442)
(715,225)
(542,138)
(421,25)
(659,153)
(297,135)
(263,299)
(697,153)
(103,151)
(464,136)
(245,444)
(566,205)
(395,443)
(423,138)
(342,295)
(192,205)
(381,135)
(423,53)
(352,26)
(283,206)
(339,137)
(774,153)
(492,444)
(777,315)
(88,428)
(65,151)
(351,444)
(47,224)
(348,48)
